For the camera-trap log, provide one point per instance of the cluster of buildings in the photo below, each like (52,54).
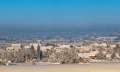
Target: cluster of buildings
(84,51)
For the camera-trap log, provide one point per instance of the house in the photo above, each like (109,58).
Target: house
(117,55)
(112,46)
(85,48)
(44,48)
(60,48)
(88,55)
(14,47)
(108,55)
(64,46)
(26,47)
(103,45)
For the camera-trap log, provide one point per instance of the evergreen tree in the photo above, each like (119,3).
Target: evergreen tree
(32,52)
(39,52)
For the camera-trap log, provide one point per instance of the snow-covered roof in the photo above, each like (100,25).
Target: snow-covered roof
(87,55)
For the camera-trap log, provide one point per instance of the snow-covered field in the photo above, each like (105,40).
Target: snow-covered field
(109,67)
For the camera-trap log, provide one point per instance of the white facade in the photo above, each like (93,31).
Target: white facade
(44,48)
(108,56)
(61,48)
(64,46)
(14,47)
(26,47)
(87,55)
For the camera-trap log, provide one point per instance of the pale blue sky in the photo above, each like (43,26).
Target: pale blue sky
(39,15)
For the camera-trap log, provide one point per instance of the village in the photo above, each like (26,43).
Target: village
(36,53)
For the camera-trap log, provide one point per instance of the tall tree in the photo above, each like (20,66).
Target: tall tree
(39,55)
(32,52)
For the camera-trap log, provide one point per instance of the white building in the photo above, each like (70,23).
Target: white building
(14,47)
(112,46)
(87,55)
(64,46)
(103,45)
(108,56)
(61,48)
(26,47)
(44,48)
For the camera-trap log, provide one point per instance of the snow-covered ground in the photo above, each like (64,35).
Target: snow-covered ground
(62,68)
